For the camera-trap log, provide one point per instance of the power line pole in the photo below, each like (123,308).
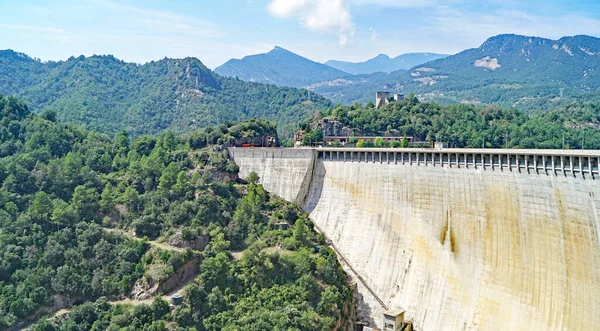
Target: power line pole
(563,140)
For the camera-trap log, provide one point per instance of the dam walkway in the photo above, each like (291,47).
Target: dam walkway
(548,161)
(529,160)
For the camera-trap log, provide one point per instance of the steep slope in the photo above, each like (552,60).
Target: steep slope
(109,95)
(383,63)
(510,70)
(76,205)
(280,67)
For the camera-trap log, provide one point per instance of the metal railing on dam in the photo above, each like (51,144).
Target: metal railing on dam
(567,162)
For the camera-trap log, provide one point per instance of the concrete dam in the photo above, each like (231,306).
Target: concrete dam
(459,239)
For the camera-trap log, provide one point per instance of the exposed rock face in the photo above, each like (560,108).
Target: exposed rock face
(177,240)
(488,62)
(147,288)
(331,128)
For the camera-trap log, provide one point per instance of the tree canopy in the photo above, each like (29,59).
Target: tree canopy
(476,127)
(69,196)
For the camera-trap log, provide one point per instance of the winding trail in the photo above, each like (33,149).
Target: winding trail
(131,235)
(167,296)
(127,301)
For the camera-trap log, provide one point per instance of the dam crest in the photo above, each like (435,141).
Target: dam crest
(459,239)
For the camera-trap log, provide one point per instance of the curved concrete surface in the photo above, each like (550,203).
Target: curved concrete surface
(464,249)
(284,172)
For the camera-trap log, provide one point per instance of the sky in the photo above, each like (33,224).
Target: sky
(215,31)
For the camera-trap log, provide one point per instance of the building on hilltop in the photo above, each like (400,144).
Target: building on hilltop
(383,99)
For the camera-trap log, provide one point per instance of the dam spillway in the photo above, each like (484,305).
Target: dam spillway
(459,239)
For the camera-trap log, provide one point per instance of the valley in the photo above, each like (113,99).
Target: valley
(322,165)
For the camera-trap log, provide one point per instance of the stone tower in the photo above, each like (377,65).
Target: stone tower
(382,99)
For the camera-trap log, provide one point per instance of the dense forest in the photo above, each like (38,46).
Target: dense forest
(108,95)
(85,218)
(471,126)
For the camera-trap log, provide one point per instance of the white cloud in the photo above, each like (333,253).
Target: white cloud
(373,34)
(317,15)
(32,28)
(161,22)
(395,3)
(480,26)
(32,31)
(334,15)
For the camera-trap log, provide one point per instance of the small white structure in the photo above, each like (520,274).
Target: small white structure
(440,145)
(398,97)
(393,320)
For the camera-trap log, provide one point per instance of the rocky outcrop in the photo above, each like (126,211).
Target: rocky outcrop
(146,288)
(331,127)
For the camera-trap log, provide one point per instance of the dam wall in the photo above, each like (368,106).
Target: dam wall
(464,239)
(284,172)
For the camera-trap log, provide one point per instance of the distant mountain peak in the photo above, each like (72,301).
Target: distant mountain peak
(280,67)
(383,63)
(279,51)
(516,38)
(528,46)
(381,56)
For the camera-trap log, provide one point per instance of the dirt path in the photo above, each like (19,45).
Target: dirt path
(129,301)
(131,235)
(167,297)
(126,301)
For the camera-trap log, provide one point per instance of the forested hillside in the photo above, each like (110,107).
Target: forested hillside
(75,205)
(109,95)
(470,126)
(507,70)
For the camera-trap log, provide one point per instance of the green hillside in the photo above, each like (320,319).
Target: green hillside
(475,127)
(85,217)
(109,95)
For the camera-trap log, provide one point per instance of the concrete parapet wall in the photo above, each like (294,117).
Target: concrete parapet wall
(565,162)
(283,172)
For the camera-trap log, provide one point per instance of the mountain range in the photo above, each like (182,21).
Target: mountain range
(109,95)
(383,63)
(284,68)
(280,67)
(509,70)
